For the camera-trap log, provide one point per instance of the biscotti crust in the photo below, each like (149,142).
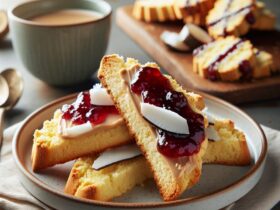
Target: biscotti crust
(169,185)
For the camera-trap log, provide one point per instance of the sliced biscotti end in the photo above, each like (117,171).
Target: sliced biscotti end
(79,169)
(154,11)
(193,11)
(230,149)
(227,59)
(266,19)
(170,184)
(50,148)
(231,17)
(263,65)
(107,183)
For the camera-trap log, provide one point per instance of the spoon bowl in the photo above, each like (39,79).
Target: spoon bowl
(4,91)
(11,87)
(15,85)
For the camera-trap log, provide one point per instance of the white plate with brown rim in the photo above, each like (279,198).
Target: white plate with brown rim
(218,187)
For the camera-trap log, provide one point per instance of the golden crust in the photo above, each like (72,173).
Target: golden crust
(50,148)
(169,185)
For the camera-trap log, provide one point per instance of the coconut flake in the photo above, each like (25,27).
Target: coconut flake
(115,155)
(164,119)
(99,96)
(74,131)
(212,134)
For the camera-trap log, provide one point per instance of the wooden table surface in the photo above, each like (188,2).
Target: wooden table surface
(37,93)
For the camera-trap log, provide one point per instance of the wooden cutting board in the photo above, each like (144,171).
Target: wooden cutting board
(179,65)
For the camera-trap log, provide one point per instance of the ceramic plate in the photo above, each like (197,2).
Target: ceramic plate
(219,185)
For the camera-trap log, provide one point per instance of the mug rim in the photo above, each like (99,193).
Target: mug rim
(11,15)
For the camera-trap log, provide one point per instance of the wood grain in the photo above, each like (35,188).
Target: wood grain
(179,65)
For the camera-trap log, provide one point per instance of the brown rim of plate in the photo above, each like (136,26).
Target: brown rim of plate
(144,204)
(32,23)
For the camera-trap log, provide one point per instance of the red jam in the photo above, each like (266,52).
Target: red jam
(82,111)
(155,89)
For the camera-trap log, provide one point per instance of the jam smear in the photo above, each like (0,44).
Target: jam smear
(82,111)
(155,89)
(212,72)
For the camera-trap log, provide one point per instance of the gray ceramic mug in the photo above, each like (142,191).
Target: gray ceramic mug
(65,54)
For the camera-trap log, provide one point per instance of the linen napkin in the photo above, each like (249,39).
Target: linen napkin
(263,197)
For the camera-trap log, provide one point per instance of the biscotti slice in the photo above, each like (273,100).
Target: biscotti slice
(154,11)
(266,19)
(230,148)
(176,164)
(193,11)
(231,17)
(113,179)
(107,183)
(263,64)
(76,130)
(227,59)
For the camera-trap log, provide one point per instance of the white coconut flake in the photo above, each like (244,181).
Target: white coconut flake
(99,96)
(212,134)
(76,130)
(164,119)
(115,155)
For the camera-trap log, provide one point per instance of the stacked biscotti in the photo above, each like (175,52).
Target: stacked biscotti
(228,57)
(92,129)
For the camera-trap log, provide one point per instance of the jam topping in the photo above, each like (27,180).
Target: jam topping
(82,111)
(155,89)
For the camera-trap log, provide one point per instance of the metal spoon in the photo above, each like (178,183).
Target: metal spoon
(4,91)
(15,87)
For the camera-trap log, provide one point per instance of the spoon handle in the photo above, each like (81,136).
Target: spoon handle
(1,125)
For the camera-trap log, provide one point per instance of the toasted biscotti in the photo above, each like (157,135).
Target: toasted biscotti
(227,59)
(50,148)
(170,184)
(231,149)
(266,19)
(263,64)
(114,180)
(107,183)
(193,11)
(154,11)
(231,17)
(231,59)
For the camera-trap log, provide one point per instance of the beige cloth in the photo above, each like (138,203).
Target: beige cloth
(264,196)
